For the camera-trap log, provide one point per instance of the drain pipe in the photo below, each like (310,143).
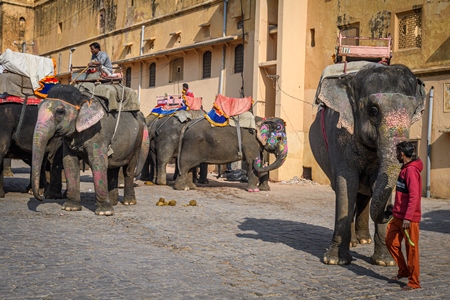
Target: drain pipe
(224,32)
(430,116)
(141,50)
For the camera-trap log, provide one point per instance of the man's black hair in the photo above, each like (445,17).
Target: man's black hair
(185,85)
(407,148)
(95,45)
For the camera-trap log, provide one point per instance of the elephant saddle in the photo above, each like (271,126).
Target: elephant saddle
(226,107)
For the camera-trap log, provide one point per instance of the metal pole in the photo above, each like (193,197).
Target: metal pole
(430,123)
(224,32)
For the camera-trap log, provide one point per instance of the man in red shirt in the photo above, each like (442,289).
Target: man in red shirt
(406,217)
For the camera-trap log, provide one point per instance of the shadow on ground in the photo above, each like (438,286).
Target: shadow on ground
(300,236)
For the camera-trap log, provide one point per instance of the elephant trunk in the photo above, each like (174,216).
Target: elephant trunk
(280,153)
(43,131)
(387,175)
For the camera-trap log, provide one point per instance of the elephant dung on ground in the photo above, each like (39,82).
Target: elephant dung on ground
(362,116)
(90,132)
(200,142)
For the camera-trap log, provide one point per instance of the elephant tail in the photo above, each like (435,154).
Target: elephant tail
(180,141)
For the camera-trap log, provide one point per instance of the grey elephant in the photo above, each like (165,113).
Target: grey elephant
(200,142)
(91,133)
(164,135)
(362,116)
(16,135)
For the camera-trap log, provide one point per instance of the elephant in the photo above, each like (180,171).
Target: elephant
(164,134)
(200,142)
(362,116)
(106,140)
(16,140)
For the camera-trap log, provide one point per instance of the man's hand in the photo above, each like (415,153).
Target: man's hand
(406,223)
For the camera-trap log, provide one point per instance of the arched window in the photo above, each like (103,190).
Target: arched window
(239,58)
(207,64)
(152,75)
(176,72)
(128,77)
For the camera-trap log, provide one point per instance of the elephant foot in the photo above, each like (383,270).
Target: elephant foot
(255,190)
(104,209)
(71,205)
(114,197)
(180,185)
(160,181)
(382,259)
(365,241)
(353,244)
(53,195)
(330,258)
(129,201)
(2,193)
(264,187)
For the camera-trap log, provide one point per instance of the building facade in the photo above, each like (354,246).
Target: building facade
(272,50)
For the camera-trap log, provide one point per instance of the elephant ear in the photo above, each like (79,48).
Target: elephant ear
(335,93)
(262,131)
(420,98)
(90,113)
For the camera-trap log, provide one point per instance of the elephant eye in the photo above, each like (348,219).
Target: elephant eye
(374,111)
(60,112)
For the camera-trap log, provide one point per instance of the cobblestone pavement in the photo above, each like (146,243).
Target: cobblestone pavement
(233,245)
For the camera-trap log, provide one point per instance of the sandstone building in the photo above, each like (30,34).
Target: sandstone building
(273,50)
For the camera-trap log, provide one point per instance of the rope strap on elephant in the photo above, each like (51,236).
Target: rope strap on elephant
(322,124)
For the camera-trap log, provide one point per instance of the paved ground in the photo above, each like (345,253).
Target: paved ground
(233,245)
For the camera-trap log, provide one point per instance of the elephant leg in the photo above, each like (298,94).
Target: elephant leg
(72,172)
(264,181)
(54,188)
(145,174)
(203,174)
(113,185)
(98,161)
(2,182)
(346,188)
(184,180)
(381,255)
(252,178)
(362,216)
(129,196)
(7,172)
(161,164)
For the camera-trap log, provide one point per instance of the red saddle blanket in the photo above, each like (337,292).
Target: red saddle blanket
(232,106)
(20,100)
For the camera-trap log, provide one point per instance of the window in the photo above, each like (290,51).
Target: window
(176,71)
(152,75)
(128,77)
(410,29)
(313,37)
(207,64)
(239,58)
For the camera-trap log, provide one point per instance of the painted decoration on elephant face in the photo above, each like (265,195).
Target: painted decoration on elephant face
(447,97)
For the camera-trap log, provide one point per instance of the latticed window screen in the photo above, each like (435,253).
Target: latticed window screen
(239,59)
(207,64)
(152,75)
(128,77)
(410,30)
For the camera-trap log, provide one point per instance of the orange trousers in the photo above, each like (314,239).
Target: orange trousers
(394,237)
